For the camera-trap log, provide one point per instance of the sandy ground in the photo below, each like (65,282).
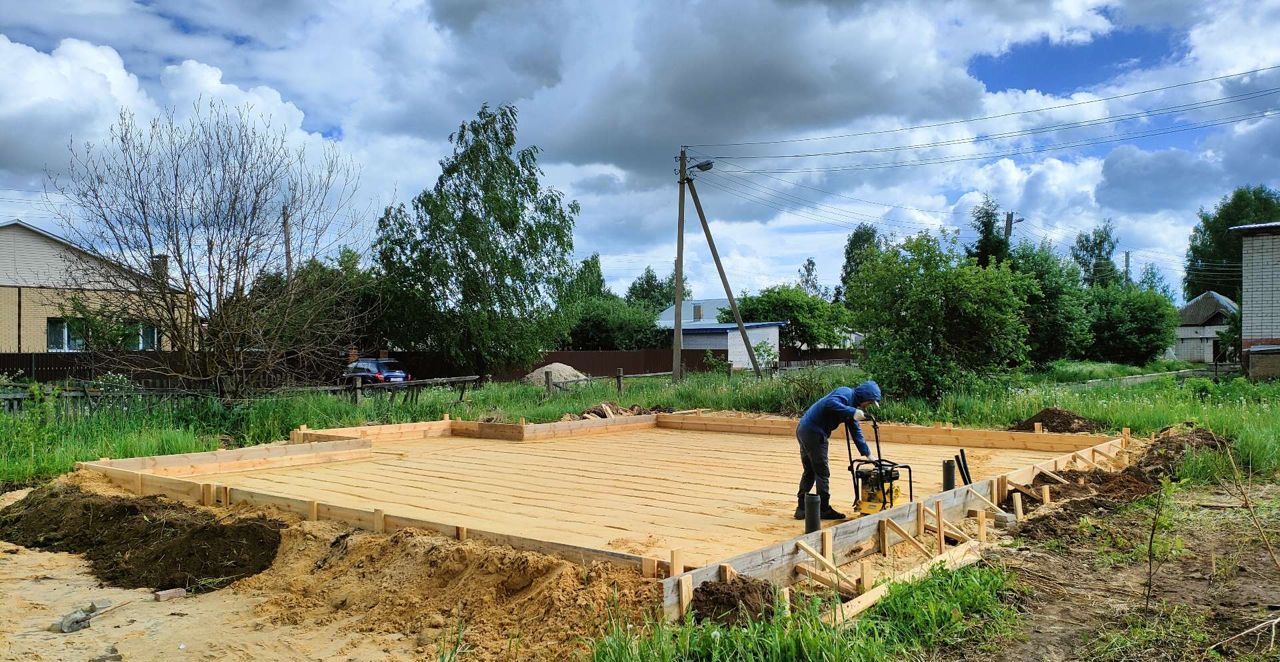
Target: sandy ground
(39,587)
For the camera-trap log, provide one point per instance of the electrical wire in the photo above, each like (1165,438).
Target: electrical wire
(1015,113)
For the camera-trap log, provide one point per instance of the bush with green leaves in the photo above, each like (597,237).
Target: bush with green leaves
(609,322)
(1130,324)
(934,320)
(812,321)
(1057,323)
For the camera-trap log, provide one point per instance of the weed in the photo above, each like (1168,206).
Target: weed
(945,608)
(1165,633)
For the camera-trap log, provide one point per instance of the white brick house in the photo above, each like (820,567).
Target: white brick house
(1260,302)
(1201,320)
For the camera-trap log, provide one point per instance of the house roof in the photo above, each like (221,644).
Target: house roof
(45,233)
(708,327)
(710,308)
(1258,228)
(1202,308)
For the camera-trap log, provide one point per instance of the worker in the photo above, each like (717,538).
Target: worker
(843,405)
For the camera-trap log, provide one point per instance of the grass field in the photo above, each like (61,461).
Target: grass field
(45,439)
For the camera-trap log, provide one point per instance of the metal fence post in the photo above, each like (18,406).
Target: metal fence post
(619,378)
(546,376)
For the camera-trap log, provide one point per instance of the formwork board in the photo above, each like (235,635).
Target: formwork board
(640,491)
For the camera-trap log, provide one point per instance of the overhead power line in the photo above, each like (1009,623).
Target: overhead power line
(1115,137)
(1021,133)
(984,118)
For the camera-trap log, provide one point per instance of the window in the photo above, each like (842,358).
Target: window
(141,336)
(64,335)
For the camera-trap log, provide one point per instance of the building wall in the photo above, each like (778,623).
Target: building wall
(738,352)
(1264,366)
(1260,305)
(705,341)
(1195,343)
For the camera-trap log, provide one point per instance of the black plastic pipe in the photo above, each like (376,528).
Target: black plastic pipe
(812,513)
(948,475)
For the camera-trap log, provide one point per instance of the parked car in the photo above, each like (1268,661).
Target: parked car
(375,371)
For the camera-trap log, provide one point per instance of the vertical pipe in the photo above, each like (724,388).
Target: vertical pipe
(812,513)
(948,475)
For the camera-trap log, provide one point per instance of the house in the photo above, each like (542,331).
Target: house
(1260,302)
(35,289)
(1201,320)
(701,330)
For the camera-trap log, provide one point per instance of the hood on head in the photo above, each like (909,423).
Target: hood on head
(868,390)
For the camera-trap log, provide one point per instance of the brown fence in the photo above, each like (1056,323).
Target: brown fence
(789,354)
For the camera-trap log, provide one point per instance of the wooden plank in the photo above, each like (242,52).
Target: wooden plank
(263,464)
(686,593)
(907,537)
(394,523)
(1017,506)
(982,526)
(951,559)
(727,573)
(826,579)
(263,500)
(824,562)
(173,488)
(828,545)
(942,525)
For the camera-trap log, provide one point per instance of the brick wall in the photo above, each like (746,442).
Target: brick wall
(1260,305)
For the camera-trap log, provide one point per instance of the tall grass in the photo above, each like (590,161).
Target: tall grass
(944,608)
(1067,371)
(46,439)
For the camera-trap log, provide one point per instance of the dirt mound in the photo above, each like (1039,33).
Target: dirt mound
(734,601)
(141,543)
(424,587)
(1058,420)
(614,410)
(1165,453)
(559,373)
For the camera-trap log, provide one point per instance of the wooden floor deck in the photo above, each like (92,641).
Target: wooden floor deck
(644,492)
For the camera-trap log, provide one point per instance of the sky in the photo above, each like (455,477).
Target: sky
(854,111)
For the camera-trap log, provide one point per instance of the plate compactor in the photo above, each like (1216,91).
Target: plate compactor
(875,481)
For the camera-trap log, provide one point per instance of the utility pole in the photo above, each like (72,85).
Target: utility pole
(1008,225)
(1127,278)
(728,292)
(677,338)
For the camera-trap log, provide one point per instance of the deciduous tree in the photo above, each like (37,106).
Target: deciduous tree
(472,267)
(1057,323)
(1094,251)
(812,321)
(1214,252)
(991,246)
(181,219)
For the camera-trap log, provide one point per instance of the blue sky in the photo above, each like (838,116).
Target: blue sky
(610,90)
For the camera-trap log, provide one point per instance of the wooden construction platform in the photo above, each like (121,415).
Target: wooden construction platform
(684,497)
(711,494)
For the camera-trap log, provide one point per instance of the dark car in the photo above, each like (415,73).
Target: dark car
(375,371)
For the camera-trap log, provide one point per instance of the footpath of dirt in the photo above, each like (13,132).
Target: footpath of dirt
(1053,419)
(141,543)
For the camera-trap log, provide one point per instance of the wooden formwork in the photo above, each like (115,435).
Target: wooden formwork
(664,469)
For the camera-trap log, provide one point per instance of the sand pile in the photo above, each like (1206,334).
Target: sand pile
(424,587)
(559,373)
(1058,420)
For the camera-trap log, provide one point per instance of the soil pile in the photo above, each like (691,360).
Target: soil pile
(507,604)
(735,601)
(1096,492)
(559,373)
(614,410)
(141,542)
(1058,420)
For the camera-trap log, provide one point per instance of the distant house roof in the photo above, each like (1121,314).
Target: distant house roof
(1258,228)
(710,308)
(723,328)
(1204,307)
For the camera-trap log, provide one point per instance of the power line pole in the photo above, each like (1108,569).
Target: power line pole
(288,244)
(1127,278)
(728,292)
(1008,225)
(677,338)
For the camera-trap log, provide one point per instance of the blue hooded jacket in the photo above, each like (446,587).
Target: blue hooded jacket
(838,407)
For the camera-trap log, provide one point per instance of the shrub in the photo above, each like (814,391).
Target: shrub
(934,320)
(1130,325)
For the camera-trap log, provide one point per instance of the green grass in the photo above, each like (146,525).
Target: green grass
(947,608)
(46,439)
(1164,633)
(1067,371)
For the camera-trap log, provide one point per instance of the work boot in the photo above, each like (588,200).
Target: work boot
(827,511)
(800,507)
